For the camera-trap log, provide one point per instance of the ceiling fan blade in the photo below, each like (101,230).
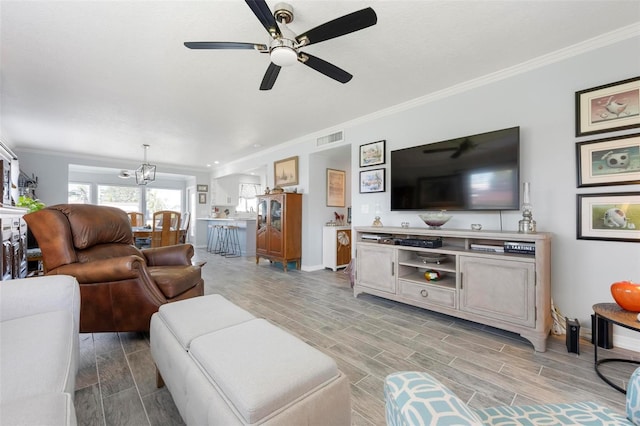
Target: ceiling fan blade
(265,16)
(223,45)
(270,76)
(325,67)
(338,27)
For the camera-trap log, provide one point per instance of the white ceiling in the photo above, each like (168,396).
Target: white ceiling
(104,77)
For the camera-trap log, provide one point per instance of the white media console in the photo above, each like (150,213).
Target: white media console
(509,291)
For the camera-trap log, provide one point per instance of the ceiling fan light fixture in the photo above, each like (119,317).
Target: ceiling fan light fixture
(283,52)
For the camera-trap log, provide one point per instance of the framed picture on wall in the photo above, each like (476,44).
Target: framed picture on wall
(372,154)
(372,181)
(609,216)
(285,172)
(202,198)
(611,161)
(614,106)
(336,188)
(202,188)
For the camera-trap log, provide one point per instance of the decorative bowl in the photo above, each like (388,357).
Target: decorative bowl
(627,295)
(431,257)
(435,220)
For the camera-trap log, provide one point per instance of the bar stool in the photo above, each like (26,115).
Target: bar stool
(231,241)
(211,235)
(217,237)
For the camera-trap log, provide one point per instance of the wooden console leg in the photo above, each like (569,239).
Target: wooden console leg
(159,379)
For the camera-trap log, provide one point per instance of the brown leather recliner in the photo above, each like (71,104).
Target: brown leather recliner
(120,285)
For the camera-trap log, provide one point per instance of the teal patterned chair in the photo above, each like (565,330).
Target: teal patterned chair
(416,398)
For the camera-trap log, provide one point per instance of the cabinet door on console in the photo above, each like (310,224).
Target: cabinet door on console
(375,267)
(500,289)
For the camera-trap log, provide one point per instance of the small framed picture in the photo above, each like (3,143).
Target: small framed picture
(372,154)
(285,172)
(202,188)
(202,198)
(609,217)
(372,181)
(336,188)
(611,161)
(607,108)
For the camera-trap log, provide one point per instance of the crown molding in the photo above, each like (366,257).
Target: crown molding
(621,34)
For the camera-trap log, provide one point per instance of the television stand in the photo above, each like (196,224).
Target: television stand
(476,277)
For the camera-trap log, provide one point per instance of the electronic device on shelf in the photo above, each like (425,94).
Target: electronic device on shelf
(478,172)
(434,242)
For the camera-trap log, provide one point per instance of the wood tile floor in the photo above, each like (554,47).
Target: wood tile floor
(368,337)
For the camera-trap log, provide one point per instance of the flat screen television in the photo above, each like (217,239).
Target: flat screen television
(478,172)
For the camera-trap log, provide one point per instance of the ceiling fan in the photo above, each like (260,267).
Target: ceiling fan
(284,46)
(125,174)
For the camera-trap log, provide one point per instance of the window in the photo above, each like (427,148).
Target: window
(247,201)
(126,198)
(79,193)
(163,199)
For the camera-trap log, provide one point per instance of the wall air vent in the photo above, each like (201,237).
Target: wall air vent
(332,138)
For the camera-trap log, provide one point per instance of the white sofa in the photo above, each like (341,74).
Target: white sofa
(39,319)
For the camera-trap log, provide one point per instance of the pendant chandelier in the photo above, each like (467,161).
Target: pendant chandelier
(146,173)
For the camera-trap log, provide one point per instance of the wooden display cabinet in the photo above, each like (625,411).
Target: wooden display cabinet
(279,228)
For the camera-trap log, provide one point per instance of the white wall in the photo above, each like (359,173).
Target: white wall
(316,212)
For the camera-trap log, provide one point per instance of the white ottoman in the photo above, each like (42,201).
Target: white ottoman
(224,366)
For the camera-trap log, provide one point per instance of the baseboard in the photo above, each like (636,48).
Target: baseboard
(312,268)
(623,342)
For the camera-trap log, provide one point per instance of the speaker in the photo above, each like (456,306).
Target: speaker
(605,332)
(573,335)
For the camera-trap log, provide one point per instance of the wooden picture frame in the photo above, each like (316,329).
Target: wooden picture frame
(202,188)
(285,172)
(372,181)
(614,106)
(609,216)
(336,187)
(372,154)
(202,198)
(610,161)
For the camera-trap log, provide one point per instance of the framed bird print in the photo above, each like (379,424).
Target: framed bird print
(607,108)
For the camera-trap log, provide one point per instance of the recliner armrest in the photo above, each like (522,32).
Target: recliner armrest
(177,255)
(104,270)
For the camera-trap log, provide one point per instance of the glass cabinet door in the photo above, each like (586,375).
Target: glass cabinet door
(262,213)
(276,214)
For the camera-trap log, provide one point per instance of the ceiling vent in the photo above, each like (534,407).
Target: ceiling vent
(332,138)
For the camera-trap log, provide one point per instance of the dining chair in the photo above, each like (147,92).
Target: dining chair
(184,227)
(166,228)
(136,218)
